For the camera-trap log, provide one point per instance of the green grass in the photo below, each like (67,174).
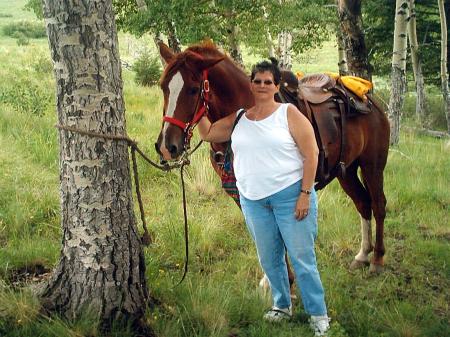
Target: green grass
(220,295)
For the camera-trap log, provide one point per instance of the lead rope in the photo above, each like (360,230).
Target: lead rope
(146,238)
(186,229)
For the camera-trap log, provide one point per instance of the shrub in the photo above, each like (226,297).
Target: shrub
(21,39)
(30,29)
(43,65)
(147,69)
(25,96)
(3,15)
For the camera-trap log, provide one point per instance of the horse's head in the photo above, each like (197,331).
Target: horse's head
(185,86)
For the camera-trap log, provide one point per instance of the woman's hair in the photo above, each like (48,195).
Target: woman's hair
(271,66)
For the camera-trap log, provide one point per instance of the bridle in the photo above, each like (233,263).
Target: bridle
(201,109)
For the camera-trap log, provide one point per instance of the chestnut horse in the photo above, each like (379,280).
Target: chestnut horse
(202,78)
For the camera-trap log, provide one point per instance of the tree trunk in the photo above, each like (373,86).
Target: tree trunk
(269,40)
(235,50)
(101,269)
(444,70)
(343,66)
(285,44)
(398,76)
(172,37)
(417,65)
(352,30)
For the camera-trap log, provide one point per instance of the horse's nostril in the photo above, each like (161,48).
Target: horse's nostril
(173,149)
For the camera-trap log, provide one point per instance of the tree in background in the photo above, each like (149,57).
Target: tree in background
(353,35)
(398,76)
(444,68)
(416,61)
(101,270)
(228,23)
(379,27)
(342,57)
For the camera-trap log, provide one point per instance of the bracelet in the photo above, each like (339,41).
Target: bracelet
(306,192)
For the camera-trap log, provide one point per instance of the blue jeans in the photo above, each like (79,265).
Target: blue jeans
(272,224)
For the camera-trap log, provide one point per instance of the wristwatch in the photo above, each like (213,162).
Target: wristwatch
(305,191)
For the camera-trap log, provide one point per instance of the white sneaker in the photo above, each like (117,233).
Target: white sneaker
(277,315)
(319,324)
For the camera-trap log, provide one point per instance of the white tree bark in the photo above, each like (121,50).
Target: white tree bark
(101,268)
(269,40)
(444,70)
(343,66)
(284,45)
(398,76)
(235,50)
(417,65)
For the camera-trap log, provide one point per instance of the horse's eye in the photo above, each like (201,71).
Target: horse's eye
(192,91)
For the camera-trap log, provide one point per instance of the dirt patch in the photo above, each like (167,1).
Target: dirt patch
(31,273)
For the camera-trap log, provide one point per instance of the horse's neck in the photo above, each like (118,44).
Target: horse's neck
(231,91)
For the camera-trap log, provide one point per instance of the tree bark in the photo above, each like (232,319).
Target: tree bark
(352,30)
(235,50)
(444,70)
(284,45)
(269,40)
(101,269)
(398,76)
(342,64)
(417,65)
(172,37)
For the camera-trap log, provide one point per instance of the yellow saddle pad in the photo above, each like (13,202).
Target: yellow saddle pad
(359,86)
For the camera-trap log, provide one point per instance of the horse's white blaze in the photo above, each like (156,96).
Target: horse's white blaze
(175,86)
(366,241)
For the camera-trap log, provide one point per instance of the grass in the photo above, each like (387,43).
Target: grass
(219,296)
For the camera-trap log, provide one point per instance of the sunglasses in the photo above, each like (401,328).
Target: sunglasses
(266,82)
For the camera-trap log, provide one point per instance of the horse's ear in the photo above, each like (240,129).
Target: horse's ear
(166,53)
(206,63)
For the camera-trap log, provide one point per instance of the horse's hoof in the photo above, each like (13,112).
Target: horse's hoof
(376,268)
(358,264)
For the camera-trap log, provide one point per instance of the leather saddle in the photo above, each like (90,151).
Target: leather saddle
(327,104)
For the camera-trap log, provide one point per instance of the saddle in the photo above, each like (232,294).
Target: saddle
(327,104)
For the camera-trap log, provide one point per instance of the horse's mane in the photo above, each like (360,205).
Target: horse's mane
(205,48)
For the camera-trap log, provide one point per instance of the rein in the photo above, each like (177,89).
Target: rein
(181,163)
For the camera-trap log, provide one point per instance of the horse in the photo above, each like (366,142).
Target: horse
(202,78)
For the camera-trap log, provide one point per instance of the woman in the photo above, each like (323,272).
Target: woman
(275,161)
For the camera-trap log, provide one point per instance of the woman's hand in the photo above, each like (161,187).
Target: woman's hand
(302,206)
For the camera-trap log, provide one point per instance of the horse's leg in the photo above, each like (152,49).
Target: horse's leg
(373,176)
(264,282)
(361,198)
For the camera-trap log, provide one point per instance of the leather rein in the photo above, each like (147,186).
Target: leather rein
(201,109)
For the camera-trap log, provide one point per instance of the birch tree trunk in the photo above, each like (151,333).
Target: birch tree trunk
(343,66)
(269,40)
(172,37)
(398,76)
(285,44)
(417,65)
(444,70)
(352,31)
(235,50)
(101,269)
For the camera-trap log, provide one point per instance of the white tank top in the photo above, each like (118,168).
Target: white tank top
(266,157)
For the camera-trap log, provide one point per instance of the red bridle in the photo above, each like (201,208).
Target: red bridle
(201,109)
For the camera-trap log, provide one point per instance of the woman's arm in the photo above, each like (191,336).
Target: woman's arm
(217,132)
(303,134)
